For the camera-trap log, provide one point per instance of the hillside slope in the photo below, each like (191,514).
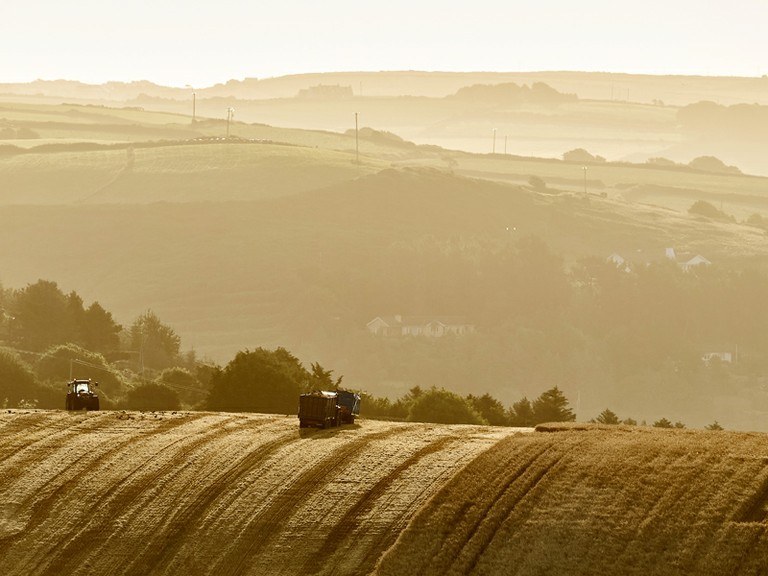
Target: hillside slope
(258,258)
(621,501)
(202,493)
(193,172)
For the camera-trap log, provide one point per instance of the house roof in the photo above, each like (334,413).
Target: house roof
(395,321)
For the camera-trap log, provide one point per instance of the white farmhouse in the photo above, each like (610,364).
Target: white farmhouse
(431,326)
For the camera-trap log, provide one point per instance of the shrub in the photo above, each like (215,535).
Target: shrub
(704,208)
(152,396)
(258,381)
(607,417)
(187,387)
(712,164)
(443,407)
(54,366)
(581,155)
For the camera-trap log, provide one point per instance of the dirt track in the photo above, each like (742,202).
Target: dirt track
(224,494)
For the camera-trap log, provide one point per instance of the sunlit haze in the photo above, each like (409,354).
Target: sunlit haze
(178,43)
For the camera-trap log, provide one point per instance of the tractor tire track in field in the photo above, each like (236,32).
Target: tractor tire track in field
(523,487)
(186,520)
(344,528)
(34,447)
(70,478)
(253,542)
(120,497)
(496,508)
(206,493)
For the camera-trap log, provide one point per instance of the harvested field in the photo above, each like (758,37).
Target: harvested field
(586,500)
(245,494)
(202,493)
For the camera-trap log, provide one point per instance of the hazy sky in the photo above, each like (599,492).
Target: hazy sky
(202,42)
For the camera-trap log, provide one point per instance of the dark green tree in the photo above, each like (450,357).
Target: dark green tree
(715,426)
(552,406)
(377,407)
(17,382)
(607,417)
(521,414)
(156,343)
(322,379)
(443,407)
(490,409)
(259,381)
(99,330)
(663,423)
(44,316)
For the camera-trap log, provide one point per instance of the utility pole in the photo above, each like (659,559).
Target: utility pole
(193,102)
(494,142)
(230,116)
(357,146)
(585,180)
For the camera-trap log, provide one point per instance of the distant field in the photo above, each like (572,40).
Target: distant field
(153,493)
(322,158)
(181,173)
(614,129)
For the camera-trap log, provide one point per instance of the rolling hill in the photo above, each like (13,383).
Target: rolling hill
(597,501)
(279,237)
(163,493)
(244,267)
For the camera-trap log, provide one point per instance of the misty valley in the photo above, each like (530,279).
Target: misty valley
(544,292)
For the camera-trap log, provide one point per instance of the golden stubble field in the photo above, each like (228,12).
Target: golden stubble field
(598,500)
(203,493)
(216,493)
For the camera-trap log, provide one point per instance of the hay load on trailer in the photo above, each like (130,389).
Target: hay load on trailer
(328,409)
(318,409)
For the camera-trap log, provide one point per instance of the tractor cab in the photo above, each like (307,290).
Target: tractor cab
(82,386)
(81,395)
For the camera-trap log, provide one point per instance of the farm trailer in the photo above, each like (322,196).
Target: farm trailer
(328,409)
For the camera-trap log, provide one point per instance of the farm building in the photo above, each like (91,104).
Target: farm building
(431,326)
